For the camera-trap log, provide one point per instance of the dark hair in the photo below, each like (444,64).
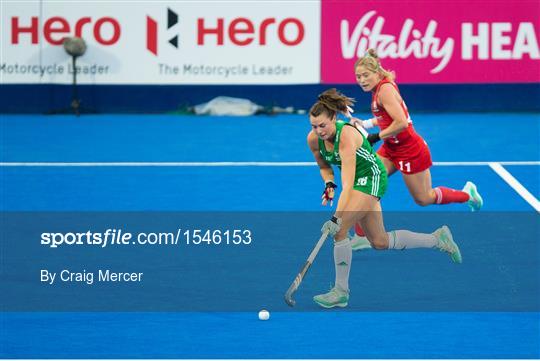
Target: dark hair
(331,102)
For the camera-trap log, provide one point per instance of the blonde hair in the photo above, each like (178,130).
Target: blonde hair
(372,63)
(331,102)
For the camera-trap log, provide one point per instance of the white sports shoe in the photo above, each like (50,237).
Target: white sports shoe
(445,242)
(475,201)
(336,297)
(359,242)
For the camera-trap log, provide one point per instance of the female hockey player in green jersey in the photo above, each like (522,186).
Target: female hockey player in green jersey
(364,182)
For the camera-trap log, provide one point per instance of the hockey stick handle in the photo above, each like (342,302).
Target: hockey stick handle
(300,276)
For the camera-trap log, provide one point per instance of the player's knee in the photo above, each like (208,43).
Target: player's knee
(379,242)
(342,234)
(423,200)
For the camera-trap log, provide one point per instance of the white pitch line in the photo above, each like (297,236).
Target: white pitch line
(156,164)
(223,164)
(514,183)
(450,164)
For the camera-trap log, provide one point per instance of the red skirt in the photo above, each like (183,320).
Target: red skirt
(408,159)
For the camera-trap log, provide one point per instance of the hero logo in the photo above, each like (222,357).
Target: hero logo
(239,31)
(152,31)
(106,30)
(242,31)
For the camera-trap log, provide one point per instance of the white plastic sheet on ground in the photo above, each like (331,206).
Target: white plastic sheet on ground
(227,106)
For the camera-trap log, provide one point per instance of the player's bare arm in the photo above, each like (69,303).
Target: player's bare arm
(327,173)
(390,100)
(347,152)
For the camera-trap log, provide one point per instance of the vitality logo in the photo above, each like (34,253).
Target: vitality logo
(152,31)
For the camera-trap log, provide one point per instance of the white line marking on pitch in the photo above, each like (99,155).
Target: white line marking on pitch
(156,164)
(223,164)
(496,166)
(514,183)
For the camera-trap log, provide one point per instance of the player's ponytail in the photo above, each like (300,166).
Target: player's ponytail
(372,62)
(331,102)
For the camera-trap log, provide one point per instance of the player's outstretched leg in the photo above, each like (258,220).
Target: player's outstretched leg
(440,239)
(445,242)
(359,240)
(475,201)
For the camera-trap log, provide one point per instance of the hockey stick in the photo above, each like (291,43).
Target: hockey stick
(296,283)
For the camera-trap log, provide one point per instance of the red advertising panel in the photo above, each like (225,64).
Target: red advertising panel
(434,41)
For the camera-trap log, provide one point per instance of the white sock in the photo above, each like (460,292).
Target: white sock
(407,239)
(342,261)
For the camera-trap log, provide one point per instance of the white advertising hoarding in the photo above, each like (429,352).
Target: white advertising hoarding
(182,42)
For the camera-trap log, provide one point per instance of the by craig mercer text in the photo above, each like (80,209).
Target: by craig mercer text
(117,238)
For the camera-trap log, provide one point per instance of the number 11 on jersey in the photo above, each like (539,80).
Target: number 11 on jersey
(407,166)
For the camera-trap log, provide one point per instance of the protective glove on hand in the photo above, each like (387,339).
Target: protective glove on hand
(332,226)
(328,193)
(373,138)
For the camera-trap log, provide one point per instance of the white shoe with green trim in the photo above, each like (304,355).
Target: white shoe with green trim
(445,242)
(475,201)
(359,243)
(335,298)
